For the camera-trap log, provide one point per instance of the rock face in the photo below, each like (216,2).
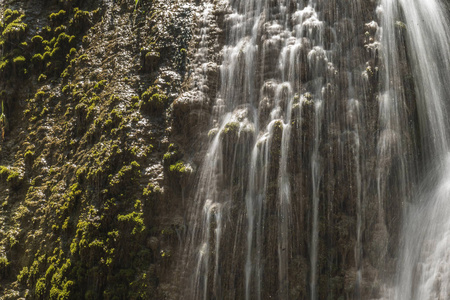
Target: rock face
(202,149)
(90,185)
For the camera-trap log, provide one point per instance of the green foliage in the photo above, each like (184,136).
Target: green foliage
(70,199)
(58,17)
(41,288)
(9,15)
(132,222)
(99,86)
(37,58)
(42,78)
(19,59)
(28,156)
(15,30)
(87,237)
(46,56)
(81,19)
(126,175)
(23,275)
(4,172)
(153,100)
(171,156)
(64,41)
(231,127)
(4,267)
(72,51)
(60,29)
(37,39)
(11,176)
(4,65)
(178,167)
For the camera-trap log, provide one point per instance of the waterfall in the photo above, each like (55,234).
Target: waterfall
(327,155)
(423,270)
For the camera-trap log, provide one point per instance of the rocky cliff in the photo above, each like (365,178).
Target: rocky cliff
(130,129)
(90,182)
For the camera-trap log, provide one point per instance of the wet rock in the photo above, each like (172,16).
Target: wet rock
(151,61)
(190,114)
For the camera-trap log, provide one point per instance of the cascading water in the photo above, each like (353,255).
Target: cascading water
(313,152)
(259,191)
(424,264)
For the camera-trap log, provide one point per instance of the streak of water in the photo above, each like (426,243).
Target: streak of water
(424,265)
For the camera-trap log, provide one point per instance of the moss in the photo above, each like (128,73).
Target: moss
(133,222)
(66,73)
(64,41)
(65,89)
(39,95)
(4,66)
(9,15)
(15,30)
(153,100)
(41,288)
(120,182)
(49,44)
(66,162)
(42,78)
(60,29)
(151,189)
(19,60)
(83,58)
(37,58)
(171,156)
(72,53)
(56,53)
(29,155)
(11,175)
(213,132)
(4,267)
(80,14)
(81,19)
(179,167)
(14,179)
(57,18)
(99,86)
(46,56)
(231,127)
(22,277)
(134,101)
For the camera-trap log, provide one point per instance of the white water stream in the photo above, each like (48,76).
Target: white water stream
(423,270)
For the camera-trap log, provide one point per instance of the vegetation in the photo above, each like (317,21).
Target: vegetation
(78,203)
